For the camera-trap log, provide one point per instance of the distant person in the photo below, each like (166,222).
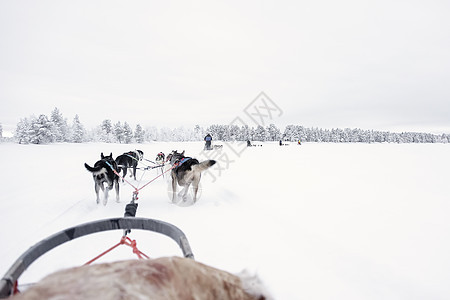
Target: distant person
(281,143)
(248,143)
(208,139)
(299,142)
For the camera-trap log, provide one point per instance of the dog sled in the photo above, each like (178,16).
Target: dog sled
(212,147)
(9,282)
(157,278)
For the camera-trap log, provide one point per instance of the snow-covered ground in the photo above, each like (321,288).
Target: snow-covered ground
(316,221)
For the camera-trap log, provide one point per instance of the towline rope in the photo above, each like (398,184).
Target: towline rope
(136,189)
(147,167)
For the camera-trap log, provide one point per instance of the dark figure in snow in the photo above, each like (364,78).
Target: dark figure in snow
(208,140)
(299,142)
(248,143)
(281,143)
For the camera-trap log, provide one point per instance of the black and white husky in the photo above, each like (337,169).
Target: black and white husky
(103,172)
(188,171)
(160,161)
(129,160)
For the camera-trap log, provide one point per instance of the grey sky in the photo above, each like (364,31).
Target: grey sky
(368,64)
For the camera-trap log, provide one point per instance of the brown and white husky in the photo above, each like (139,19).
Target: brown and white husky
(188,171)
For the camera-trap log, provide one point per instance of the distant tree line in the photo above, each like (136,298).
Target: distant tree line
(295,133)
(53,129)
(44,130)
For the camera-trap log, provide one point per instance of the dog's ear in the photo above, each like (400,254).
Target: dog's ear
(182,153)
(110,155)
(102,156)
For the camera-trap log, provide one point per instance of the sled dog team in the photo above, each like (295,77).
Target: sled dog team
(185,171)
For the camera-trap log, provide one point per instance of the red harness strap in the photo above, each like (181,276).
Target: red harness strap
(123,241)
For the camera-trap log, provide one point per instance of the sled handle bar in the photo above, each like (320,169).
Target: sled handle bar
(40,248)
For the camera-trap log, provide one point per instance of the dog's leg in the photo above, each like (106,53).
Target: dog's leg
(134,172)
(184,192)
(116,182)
(105,192)
(119,170)
(110,187)
(195,184)
(174,186)
(125,169)
(105,199)
(97,191)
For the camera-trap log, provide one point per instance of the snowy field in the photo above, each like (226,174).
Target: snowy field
(316,221)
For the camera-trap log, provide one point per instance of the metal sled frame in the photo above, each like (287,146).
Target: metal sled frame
(27,258)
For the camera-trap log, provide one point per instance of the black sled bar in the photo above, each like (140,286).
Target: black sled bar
(42,247)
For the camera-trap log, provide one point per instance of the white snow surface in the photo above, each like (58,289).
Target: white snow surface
(316,221)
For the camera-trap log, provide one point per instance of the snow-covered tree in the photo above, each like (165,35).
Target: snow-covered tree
(127,133)
(78,132)
(260,134)
(290,133)
(60,128)
(216,131)
(234,133)
(199,133)
(245,133)
(166,134)
(152,134)
(22,133)
(106,131)
(118,132)
(42,130)
(273,133)
(1,131)
(139,134)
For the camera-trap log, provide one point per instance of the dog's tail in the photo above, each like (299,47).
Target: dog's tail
(203,165)
(92,169)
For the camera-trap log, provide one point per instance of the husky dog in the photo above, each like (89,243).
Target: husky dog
(188,171)
(160,158)
(160,161)
(129,160)
(102,173)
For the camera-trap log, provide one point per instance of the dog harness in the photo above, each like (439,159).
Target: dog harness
(183,160)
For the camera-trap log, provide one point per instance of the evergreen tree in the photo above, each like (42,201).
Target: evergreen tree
(152,134)
(166,134)
(78,132)
(60,127)
(22,132)
(260,134)
(118,132)
(139,134)
(106,131)
(245,133)
(290,133)
(42,130)
(127,133)
(199,133)
(273,133)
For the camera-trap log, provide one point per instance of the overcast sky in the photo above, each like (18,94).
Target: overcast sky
(369,64)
